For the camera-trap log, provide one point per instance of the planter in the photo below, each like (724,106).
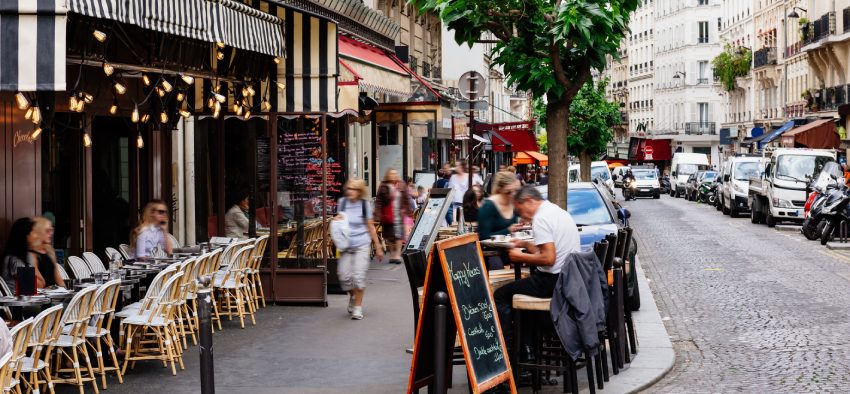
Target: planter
(303,284)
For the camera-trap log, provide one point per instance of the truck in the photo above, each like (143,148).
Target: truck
(778,194)
(683,166)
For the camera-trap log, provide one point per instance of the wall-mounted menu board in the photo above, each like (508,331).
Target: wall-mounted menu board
(460,271)
(263,167)
(299,155)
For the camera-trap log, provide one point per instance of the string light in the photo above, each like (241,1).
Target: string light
(185,113)
(236,106)
(210,102)
(247,113)
(146,79)
(113,109)
(219,55)
(276,60)
(239,111)
(72,102)
(36,115)
(23,102)
(120,89)
(244,92)
(280,85)
(81,105)
(216,110)
(108,69)
(251,91)
(28,115)
(35,133)
(135,115)
(99,35)
(163,117)
(220,98)
(88,98)
(160,92)
(166,86)
(188,79)
(140,142)
(180,96)
(86,140)
(146,118)
(220,44)
(266,105)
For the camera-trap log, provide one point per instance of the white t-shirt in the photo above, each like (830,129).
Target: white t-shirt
(460,184)
(551,224)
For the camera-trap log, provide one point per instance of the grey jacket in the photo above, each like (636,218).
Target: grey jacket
(578,304)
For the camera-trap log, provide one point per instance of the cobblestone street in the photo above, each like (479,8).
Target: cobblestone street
(748,308)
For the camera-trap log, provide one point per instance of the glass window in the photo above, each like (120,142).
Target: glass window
(647,175)
(799,167)
(587,207)
(747,170)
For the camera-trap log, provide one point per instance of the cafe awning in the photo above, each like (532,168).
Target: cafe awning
(510,137)
(227,21)
(530,157)
(311,67)
(32,41)
(776,133)
(378,73)
(819,134)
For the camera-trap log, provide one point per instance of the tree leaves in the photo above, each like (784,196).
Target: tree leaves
(731,64)
(592,117)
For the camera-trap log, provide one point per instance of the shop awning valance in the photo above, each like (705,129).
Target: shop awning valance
(226,21)
(819,134)
(377,72)
(776,133)
(32,41)
(531,157)
(311,67)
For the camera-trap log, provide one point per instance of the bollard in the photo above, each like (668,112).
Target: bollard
(441,299)
(205,331)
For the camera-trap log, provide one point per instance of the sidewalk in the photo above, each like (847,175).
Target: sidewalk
(320,350)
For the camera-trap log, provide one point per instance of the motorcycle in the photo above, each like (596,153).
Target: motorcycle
(833,212)
(821,188)
(665,184)
(706,193)
(629,188)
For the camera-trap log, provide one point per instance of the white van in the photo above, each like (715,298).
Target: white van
(684,165)
(598,169)
(734,186)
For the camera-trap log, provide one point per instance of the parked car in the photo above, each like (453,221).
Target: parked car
(734,187)
(598,170)
(597,214)
(695,181)
(685,165)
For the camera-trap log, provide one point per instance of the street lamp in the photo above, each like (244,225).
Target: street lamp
(678,75)
(794,14)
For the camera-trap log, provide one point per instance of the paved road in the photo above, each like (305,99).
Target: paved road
(748,308)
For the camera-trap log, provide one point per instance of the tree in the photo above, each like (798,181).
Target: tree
(546,47)
(543,142)
(592,118)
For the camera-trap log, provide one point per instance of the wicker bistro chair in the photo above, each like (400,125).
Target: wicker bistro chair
(95,264)
(148,301)
(71,347)
(253,272)
(112,253)
(209,269)
(231,286)
(79,267)
(5,369)
(35,369)
(151,334)
(62,272)
(185,322)
(20,339)
(126,251)
(196,272)
(97,332)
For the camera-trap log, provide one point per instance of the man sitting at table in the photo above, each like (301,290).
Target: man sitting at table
(555,237)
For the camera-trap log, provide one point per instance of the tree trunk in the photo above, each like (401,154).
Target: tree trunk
(558,128)
(585,159)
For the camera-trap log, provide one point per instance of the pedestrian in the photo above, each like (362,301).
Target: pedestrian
(496,215)
(421,195)
(150,237)
(445,174)
(354,261)
(459,183)
(542,177)
(17,253)
(476,176)
(555,236)
(48,267)
(236,220)
(391,205)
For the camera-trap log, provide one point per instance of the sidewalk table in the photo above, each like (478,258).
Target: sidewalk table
(17,304)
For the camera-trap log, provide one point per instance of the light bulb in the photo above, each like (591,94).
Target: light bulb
(36,115)
(247,113)
(35,133)
(220,44)
(163,117)
(217,106)
(145,118)
(72,102)
(81,104)
(251,91)
(113,109)
(135,115)
(239,111)
(88,98)
(86,140)
(281,85)
(180,96)
(219,55)
(140,142)
(119,88)
(188,79)
(236,107)
(244,92)
(23,102)
(276,60)
(185,113)
(217,88)
(166,86)
(99,35)
(28,115)
(266,106)
(216,112)
(160,92)
(210,102)
(108,69)
(146,79)
(220,98)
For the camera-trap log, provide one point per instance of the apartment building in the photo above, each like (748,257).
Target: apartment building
(824,26)
(641,69)
(736,35)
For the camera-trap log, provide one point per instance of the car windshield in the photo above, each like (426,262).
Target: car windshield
(645,175)
(600,172)
(688,169)
(746,170)
(709,176)
(587,207)
(798,167)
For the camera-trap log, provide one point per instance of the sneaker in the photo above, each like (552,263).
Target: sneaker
(350,304)
(357,313)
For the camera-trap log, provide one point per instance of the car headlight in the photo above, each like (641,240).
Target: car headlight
(780,203)
(633,185)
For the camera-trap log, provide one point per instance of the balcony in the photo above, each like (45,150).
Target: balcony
(815,31)
(701,128)
(793,49)
(764,57)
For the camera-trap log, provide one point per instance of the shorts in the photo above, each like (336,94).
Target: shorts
(352,268)
(388,232)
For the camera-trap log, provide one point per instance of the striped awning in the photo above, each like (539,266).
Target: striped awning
(32,41)
(226,21)
(311,67)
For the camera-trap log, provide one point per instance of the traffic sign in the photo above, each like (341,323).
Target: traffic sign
(472,85)
(648,150)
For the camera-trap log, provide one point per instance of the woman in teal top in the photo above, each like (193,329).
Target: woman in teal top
(496,216)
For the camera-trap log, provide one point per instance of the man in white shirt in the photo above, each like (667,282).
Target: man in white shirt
(555,237)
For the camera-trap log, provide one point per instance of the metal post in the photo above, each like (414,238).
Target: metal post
(441,299)
(205,332)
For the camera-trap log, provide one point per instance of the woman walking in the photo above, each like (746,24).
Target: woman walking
(391,206)
(354,261)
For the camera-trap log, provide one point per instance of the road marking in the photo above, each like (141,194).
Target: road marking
(835,255)
(714,269)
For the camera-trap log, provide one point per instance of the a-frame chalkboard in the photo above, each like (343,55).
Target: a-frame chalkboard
(457,267)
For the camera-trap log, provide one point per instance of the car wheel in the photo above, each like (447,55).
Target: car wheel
(726,211)
(754,217)
(770,220)
(657,195)
(733,212)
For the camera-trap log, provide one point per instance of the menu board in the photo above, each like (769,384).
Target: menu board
(263,164)
(432,215)
(300,166)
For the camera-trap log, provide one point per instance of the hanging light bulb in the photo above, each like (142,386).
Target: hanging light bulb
(180,96)
(185,113)
(160,92)
(86,140)
(163,117)
(266,105)
(23,102)
(119,88)
(99,35)
(276,60)
(247,113)
(108,69)
(217,88)
(166,86)
(88,98)
(113,109)
(244,92)
(140,142)
(72,102)
(236,106)
(35,133)
(251,91)
(81,105)
(135,115)
(36,115)
(220,98)
(210,102)
(239,111)
(219,55)
(146,79)
(280,85)
(188,79)
(28,115)
(146,118)
(220,44)
(216,110)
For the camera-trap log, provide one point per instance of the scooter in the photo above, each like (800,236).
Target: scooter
(665,184)
(706,193)
(833,212)
(820,189)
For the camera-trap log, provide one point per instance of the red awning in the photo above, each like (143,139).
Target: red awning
(514,141)
(366,53)
(819,134)
(660,150)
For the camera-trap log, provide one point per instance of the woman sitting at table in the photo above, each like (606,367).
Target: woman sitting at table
(496,215)
(236,220)
(17,253)
(150,234)
(45,254)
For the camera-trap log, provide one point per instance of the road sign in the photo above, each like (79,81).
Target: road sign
(477,105)
(472,85)
(648,150)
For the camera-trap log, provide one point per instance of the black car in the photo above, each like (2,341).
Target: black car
(694,182)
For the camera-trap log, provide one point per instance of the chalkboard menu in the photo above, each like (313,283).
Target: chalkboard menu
(299,161)
(432,215)
(263,166)
(457,267)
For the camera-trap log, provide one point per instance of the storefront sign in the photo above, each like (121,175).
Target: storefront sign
(22,137)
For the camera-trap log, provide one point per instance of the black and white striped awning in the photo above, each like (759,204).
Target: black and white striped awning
(311,67)
(226,21)
(32,44)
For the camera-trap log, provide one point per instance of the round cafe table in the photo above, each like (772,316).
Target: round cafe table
(17,304)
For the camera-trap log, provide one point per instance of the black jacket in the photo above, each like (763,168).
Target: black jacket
(578,304)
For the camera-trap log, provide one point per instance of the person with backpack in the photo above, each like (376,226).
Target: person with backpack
(361,235)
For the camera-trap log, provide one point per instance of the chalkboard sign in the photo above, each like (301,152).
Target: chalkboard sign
(425,229)
(460,271)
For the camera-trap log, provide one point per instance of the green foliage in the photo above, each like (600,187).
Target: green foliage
(731,64)
(538,109)
(543,142)
(592,118)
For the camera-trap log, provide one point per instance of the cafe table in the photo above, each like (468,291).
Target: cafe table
(17,304)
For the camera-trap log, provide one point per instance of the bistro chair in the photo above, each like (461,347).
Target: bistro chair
(126,251)
(254,272)
(192,292)
(20,339)
(174,242)
(150,296)
(112,254)
(62,272)
(95,264)
(157,323)
(185,323)
(5,369)
(71,347)
(97,332)
(209,269)
(36,368)
(79,268)
(231,287)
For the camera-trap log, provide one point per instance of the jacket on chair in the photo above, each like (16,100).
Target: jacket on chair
(579,304)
